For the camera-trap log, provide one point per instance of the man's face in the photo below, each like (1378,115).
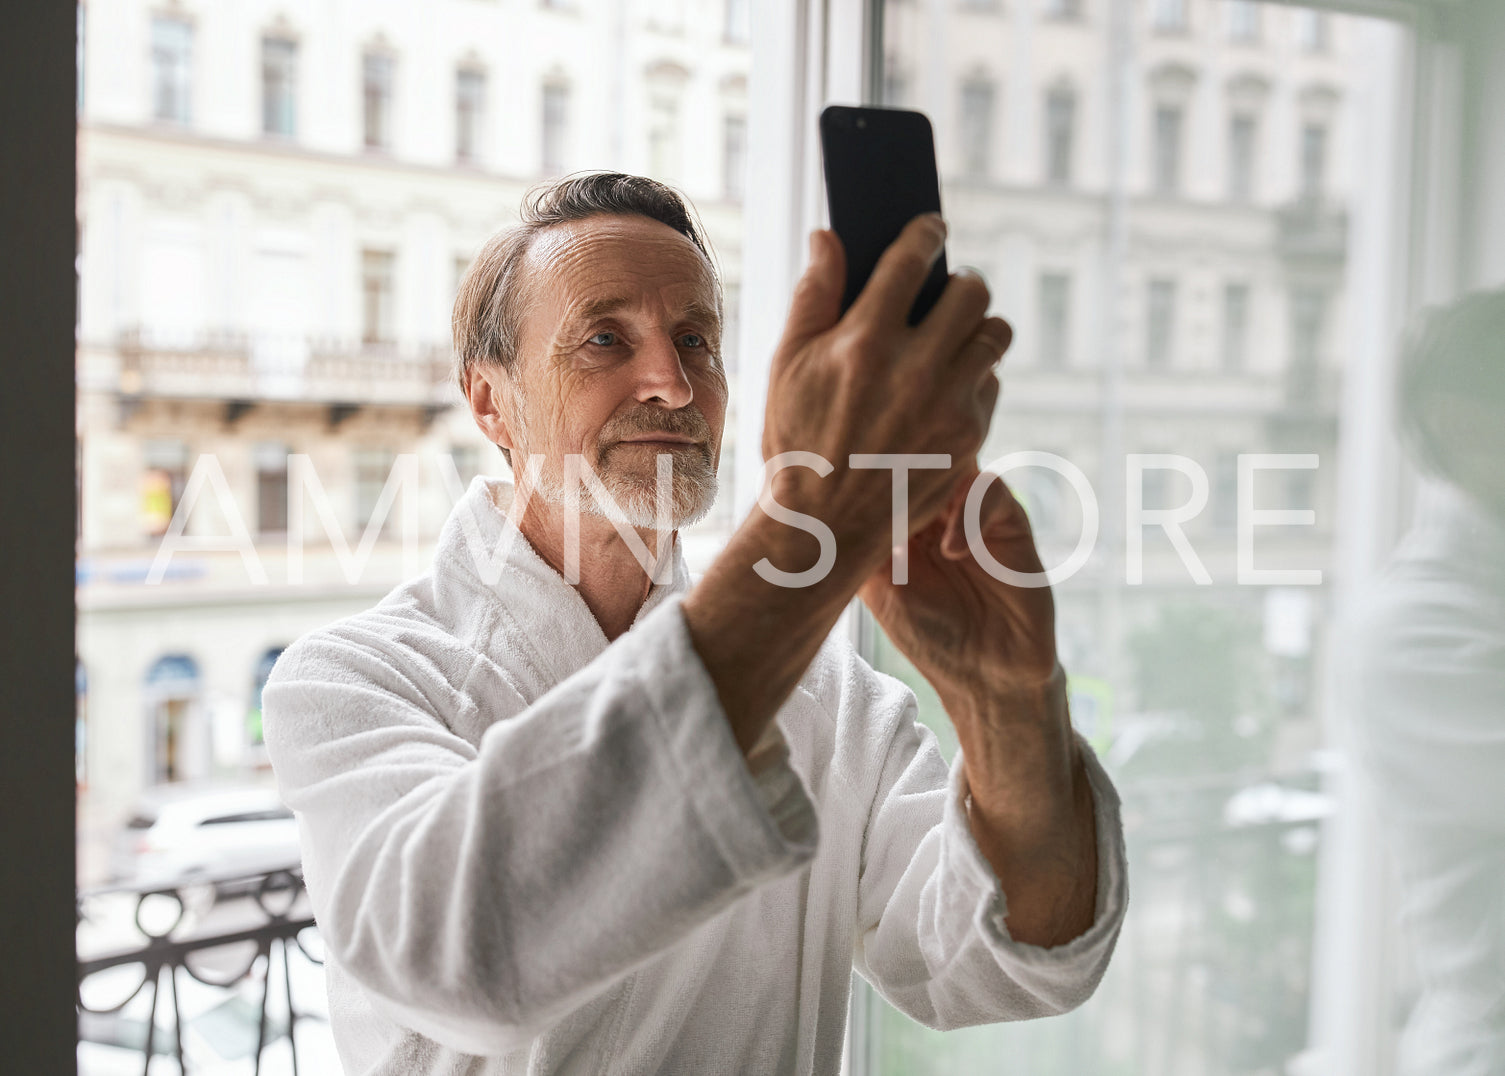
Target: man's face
(620,362)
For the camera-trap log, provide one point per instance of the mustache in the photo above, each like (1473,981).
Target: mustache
(684,421)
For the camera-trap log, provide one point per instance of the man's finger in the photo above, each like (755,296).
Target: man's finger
(957,315)
(816,305)
(986,345)
(902,269)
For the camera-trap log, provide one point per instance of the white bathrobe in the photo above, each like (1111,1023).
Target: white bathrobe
(530,851)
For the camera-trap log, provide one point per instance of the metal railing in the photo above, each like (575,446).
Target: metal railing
(180,920)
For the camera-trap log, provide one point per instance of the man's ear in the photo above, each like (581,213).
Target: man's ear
(488,391)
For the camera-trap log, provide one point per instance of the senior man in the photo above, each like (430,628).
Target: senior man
(630,824)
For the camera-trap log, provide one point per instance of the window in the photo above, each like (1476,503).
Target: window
(172,692)
(1168,123)
(279,86)
(172,69)
(377,298)
(734,157)
(976,126)
(376,100)
(1313,161)
(1235,326)
(372,468)
(1243,20)
(1063,9)
(735,27)
(1060,125)
(164,476)
(1055,315)
(1312,30)
(1225,491)
(1241,136)
(1308,307)
(556,103)
(271,487)
(895,85)
(467,461)
(1160,324)
(254,734)
(663,134)
(470,113)
(1169,15)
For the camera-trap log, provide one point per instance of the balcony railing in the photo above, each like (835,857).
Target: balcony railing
(128,936)
(238,367)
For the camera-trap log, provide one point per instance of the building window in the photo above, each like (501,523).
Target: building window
(172,68)
(467,461)
(1055,316)
(1243,20)
(164,476)
(1160,324)
(1225,491)
(271,488)
(1313,161)
(259,680)
(376,99)
(279,86)
(1308,306)
(976,126)
(377,296)
(1235,326)
(1241,135)
(1168,15)
(1063,9)
(663,135)
(172,691)
(1313,30)
(470,113)
(556,104)
(1168,123)
(734,157)
(895,84)
(736,26)
(373,466)
(1060,128)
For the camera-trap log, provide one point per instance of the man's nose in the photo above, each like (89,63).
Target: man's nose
(661,374)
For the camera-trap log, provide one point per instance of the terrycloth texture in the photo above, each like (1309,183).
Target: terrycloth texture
(1426,687)
(532,852)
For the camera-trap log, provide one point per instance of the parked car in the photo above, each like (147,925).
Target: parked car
(182,833)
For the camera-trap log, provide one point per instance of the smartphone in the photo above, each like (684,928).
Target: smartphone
(880,175)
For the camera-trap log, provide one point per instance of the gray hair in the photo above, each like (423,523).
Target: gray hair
(490,306)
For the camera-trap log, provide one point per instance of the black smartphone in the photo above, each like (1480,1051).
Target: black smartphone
(880,175)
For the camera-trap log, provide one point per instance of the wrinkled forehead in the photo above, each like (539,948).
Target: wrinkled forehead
(618,256)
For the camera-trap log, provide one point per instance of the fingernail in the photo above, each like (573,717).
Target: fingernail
(938,225)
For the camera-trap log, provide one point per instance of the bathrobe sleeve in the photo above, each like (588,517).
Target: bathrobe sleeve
(931,933)
(480,893)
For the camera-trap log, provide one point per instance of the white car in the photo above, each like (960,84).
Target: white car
(183,833)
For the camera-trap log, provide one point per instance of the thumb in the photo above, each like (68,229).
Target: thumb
(816,305)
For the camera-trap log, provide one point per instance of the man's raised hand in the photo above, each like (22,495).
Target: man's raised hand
(868,383)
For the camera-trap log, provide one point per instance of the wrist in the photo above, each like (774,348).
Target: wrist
(1007,698)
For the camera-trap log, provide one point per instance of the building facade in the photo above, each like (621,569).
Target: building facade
(277,199)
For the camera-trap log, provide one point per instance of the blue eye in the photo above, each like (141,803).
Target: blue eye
(693,340)
(603,339)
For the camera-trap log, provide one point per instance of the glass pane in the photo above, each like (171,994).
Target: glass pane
(264,356)
(1166,302)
